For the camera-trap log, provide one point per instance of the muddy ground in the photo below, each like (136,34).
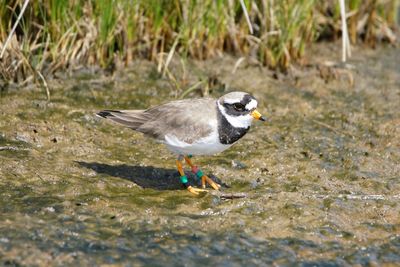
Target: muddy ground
(319,181)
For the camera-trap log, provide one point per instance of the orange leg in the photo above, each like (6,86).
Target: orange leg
(184,179)
(204,178)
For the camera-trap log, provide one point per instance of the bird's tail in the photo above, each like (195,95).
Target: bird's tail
(130,118)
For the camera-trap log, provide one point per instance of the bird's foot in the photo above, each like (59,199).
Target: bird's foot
(195,191)
(205,179)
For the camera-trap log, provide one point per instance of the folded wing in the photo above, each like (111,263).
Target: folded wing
(186,120)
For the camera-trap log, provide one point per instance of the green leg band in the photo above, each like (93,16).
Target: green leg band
(184,179)
(199,174)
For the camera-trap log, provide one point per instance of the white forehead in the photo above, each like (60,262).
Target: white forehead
(251,105)
(233,97)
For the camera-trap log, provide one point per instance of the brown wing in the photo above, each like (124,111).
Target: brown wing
(130,118)
(188,119)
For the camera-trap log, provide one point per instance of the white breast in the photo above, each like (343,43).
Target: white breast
(205,146)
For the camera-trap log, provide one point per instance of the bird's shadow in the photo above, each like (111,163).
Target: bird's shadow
(144,176)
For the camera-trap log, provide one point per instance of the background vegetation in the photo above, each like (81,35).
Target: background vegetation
(59,34)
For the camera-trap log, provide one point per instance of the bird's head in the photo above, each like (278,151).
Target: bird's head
(239,108)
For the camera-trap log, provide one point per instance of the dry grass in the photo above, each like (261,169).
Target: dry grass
(57,34)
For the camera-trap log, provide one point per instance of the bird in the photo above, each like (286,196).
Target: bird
(193,127)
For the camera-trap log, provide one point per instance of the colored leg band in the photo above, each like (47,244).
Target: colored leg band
(197,171)
(184,179)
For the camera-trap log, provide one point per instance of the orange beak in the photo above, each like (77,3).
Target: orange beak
(257,115)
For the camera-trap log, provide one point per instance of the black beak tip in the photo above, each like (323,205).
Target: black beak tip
(262,118)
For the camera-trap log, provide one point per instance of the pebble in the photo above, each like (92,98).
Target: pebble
(238,165)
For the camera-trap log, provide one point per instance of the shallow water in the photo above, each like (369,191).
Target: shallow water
(319,181)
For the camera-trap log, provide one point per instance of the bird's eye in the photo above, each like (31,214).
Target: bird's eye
(238,107)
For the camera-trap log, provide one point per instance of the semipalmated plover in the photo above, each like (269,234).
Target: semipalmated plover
(192,127)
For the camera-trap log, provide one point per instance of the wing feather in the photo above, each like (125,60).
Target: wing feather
(187,120)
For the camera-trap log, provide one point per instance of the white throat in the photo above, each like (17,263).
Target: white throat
(243,121)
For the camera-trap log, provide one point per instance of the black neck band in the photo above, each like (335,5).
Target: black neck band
(228,134)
